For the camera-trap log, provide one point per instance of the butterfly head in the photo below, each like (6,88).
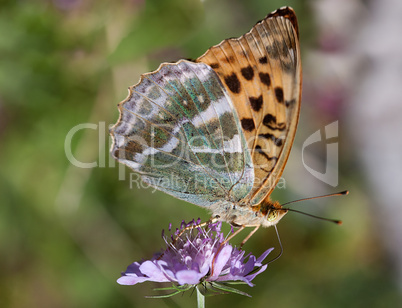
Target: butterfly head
(272,211)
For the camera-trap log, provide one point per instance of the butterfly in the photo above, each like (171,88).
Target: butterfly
(217,131)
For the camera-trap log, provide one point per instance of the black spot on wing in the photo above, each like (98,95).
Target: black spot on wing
(279,94)
(247,124)
(262,152)
(278,141)
(214,65)
(247,72)
(265,79)
(263,60)
(233,83)
(256,102)
(270,122)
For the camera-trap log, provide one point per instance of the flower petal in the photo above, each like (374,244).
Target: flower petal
(150,269)
(252,276)
(263,256)
(131,280)
(249,266)
(220,261)
(204,269)
(133,268)
(188,277)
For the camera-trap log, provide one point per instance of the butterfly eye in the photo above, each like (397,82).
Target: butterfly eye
(272,215)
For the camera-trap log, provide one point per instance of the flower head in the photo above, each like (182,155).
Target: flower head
(196,255)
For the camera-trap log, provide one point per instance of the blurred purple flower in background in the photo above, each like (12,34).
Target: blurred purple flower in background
(198,256)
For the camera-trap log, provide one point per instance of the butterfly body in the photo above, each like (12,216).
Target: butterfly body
(265,214)
(217,132)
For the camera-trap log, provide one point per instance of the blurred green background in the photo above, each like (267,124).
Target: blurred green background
(67,232)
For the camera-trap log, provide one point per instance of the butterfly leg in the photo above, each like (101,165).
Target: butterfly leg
(241,228)
(249,235)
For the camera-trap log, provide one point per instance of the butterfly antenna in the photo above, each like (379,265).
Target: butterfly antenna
(338,222)
(342,193)
(280,245)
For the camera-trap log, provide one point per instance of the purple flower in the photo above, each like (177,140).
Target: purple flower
(199,255)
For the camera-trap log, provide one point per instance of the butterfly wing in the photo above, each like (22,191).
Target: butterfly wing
(179,130)
(261,71)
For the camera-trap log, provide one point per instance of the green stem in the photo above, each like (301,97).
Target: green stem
(200,299)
